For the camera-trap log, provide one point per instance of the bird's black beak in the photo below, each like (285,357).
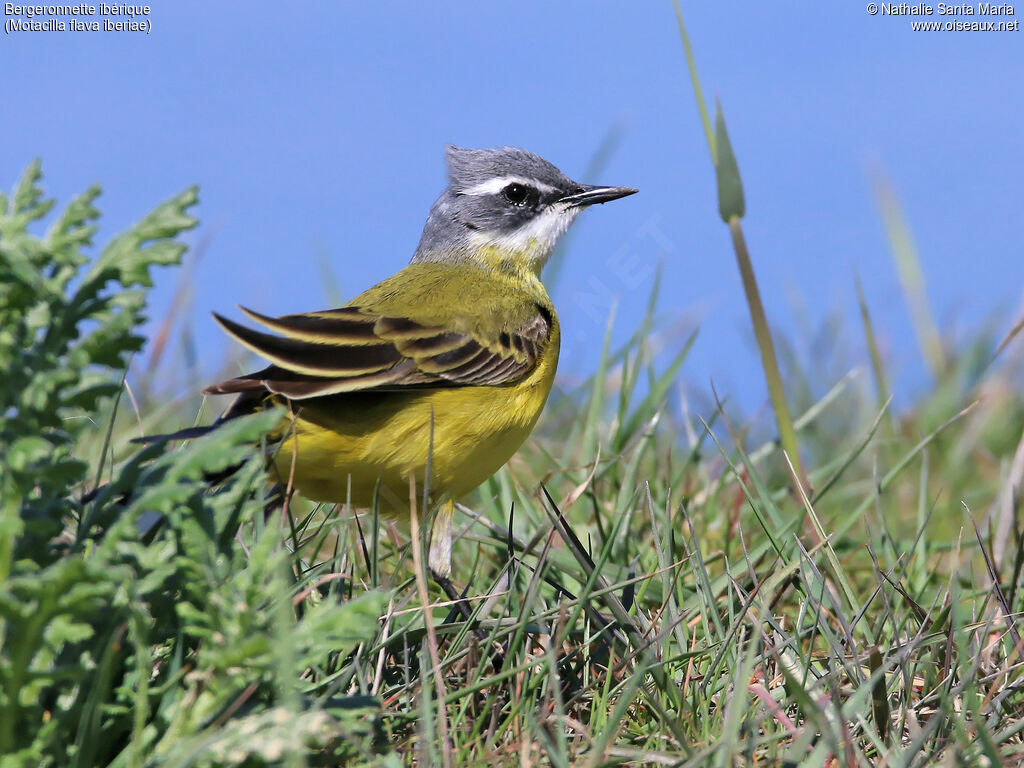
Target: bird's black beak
(585,195)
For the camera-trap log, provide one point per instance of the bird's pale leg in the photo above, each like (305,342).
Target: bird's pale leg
(440,560)
(440,557)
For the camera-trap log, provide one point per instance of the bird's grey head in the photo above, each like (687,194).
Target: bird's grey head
(505,204)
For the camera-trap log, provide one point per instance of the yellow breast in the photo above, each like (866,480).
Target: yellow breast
(338,448)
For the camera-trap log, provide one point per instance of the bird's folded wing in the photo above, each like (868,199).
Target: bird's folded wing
(352,350)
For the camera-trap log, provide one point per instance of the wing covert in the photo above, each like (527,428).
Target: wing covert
(353,349)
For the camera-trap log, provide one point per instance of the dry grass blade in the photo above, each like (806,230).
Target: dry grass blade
(879,697)
(1009,503)
(997,588)
(435,656)
(1007,339)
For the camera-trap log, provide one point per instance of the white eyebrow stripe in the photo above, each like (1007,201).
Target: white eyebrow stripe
(493,186)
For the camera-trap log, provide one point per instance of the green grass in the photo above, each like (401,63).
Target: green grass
(649,585)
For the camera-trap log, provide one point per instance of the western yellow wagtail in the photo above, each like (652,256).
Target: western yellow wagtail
(448,361)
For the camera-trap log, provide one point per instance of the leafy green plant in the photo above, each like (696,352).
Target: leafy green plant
(154,618)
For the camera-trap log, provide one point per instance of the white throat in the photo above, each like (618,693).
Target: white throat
(537,237)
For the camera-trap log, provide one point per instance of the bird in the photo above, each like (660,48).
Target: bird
(444,366)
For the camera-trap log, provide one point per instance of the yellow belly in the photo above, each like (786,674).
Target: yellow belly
(341,446)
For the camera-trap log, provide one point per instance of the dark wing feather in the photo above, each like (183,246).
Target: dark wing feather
(353,350)
(308,354)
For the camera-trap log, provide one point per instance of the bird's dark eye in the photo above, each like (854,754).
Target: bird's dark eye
(517,194)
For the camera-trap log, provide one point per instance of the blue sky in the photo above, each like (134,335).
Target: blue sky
(316,130)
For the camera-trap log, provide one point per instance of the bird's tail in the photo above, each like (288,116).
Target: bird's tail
(191,433)
(244,404)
